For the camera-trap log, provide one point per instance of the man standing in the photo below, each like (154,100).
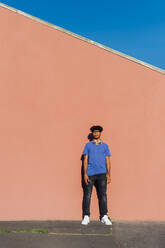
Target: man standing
(96,166)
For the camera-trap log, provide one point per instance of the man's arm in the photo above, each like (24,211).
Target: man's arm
(86,179)
(85,163)
(108,165)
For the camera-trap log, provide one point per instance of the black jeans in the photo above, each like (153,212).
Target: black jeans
(100,183)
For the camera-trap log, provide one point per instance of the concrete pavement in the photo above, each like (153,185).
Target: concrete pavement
(72,234)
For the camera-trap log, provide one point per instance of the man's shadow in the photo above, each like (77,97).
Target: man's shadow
(90,138)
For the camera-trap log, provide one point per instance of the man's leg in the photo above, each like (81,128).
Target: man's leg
(87,196)
(101,188)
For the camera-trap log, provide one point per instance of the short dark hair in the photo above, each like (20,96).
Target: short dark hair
(99,128)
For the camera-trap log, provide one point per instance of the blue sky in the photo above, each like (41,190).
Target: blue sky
(136,27)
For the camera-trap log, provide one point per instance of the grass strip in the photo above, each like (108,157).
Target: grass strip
(24,230)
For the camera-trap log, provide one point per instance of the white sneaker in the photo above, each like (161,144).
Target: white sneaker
(106,220)
(86,220)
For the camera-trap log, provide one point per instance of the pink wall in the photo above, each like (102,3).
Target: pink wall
(53,88)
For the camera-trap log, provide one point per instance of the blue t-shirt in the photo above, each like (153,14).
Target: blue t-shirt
(96,157)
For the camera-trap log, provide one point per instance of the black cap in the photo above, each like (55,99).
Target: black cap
(99,128)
